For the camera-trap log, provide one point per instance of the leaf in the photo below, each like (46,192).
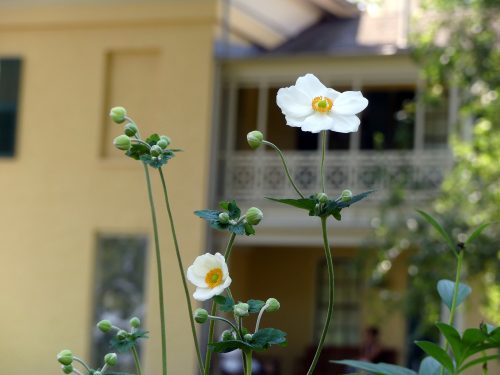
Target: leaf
(264,338)
(479,361)
(439,229)
(152,139)
(355,198)
(233,210)
(254,305)
(159,161)
(208,214)
(237,229)
(124,345)
(437,353)
(304,203)
(429,366)
(136,150)
(249,229)
(378,368)
(476,233)
(453,338)
(445,289)
(225,303)
(229,346)
(474,341)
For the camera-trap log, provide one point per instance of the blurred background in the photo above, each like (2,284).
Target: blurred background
(76,240)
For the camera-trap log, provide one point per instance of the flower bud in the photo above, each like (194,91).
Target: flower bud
(200,316)
(122,335)
(241,309)
(105,326)
(346,196)
(97,372)
(165,138)
(135,322)
(65,357)
(322,197)
(68,369)
(111,359)
(224,218)
(254,139)
(272,305)
(130,129)
(227,335)
(155,150)
(122,142)
(248,337)
(162,143)
(118,114)
(254,216)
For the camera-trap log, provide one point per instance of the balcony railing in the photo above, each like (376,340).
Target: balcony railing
(254,175)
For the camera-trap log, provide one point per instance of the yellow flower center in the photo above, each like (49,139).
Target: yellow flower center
(322,104)
(214,277)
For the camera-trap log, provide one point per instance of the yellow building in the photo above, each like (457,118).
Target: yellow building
(77,242)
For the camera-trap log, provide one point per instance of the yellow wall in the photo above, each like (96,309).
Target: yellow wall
(60,191)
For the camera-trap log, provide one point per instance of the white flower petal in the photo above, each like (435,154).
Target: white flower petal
(202,294)
(332,94)
(349,103)
(294,121)
(196,279)
(311,86)
(220,288)
(317,122)
(293,102)
(344,124)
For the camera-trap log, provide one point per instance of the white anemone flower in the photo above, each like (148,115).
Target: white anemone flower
(210,275)
(314,107)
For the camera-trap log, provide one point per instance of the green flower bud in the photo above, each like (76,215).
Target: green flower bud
(254,139)
(135,322)
(111,359)
(224,217)
(118,114)
(162,143)
(97,372)
(155,150)
(166,139)
(322,197)
(68,369)
(272,305)
(105,326)
(241,309)
(130,129)
(65,357)
(227,335)
(248,337)
(200,316)
(346,196)
(254,216)
(122,335)
(122,142)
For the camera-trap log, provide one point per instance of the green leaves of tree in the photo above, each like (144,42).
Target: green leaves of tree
(445,289)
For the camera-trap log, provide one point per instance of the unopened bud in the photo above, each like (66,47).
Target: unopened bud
(122,142)
(135,322)
(105,326)
(254,216)
(163,142)
(122,335)
(254,139)
(68,369)
(111,359)
(322,197)
(241,309)
(118,114)
(248,337)
(130,129)
(346,196)
(65,357)
(200,316)
(272,305)
(224,218)
(155,150)
(227,335)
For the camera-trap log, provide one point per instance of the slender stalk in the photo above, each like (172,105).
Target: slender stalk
(159,272)
(323,149)
(213,310)
(136,361)
(248,362)
(485,364)
(181,269)
(259,317)
(82,362)
(215,317)
(331,285)
(284,166)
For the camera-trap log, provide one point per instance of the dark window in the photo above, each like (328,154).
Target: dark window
(119,290)
(388,122)
(246,115)
(9,94)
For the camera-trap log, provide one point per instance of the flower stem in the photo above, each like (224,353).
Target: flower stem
(159,272)
(331,285)
(82,362)
(215,317)
(213,310)
(323,149)
(181,269)
(248,362)
(259,317)
(284,166)
(136,361)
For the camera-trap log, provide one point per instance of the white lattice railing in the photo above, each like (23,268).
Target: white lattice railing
(254,175)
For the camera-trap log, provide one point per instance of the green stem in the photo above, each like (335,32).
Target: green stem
(136,360)
(285,166)
(248,362)
(485,364)
(82,362)
(331,285)
(159,272)
(181,269)
(215,317)
(213,310)
(323,149)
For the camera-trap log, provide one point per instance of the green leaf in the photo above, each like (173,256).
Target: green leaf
(304,203)
(439,229)
(152,139)
(159,161)
(429,366)
(229,346)
(480,361)
(225,303)
(264,338)
(137,150)
(445,289)
(453,338)
(249,229)
(476,233)
(355,198)
(474,341)
(233,210)
(129,341)
(209,215)
(255,305)
(493,333)
(436,352)
(378,368)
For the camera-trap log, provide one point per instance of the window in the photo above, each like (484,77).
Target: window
(9,94)
(119,290)
(344,328)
